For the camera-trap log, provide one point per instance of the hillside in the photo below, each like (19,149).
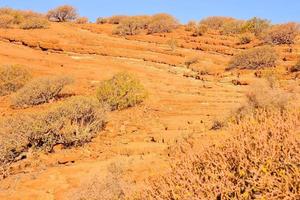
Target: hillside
(182,106)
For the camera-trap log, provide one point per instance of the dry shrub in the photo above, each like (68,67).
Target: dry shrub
(35,23)
(255,58)
(116,19)
(71,123)
(132,25)
(162,23)
(111,187)
(191,26)
(245,39)
(257,26)
(40,90)
(191,60)
(282,34)
(216,22)
(12,78)
(101,20)
(122,91)
(6,21)
(200,30)
(260,161)
(62,14)
(82,20)
(10,18)
(233,27)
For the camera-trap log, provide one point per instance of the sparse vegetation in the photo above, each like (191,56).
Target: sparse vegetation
(191,26)
(12,78)
(255,58)
(35,23)
(71,123)
(101,20)
(117,19)
(232,27)
(162,23)
(132,25)
(122,91)
(40,90)
(245,39)
(62,14)
(282,34)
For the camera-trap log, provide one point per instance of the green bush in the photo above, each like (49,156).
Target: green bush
(255,58)
(122,91)
(40,90)
(12,78)
(71,123)
(162,23)
(282,34)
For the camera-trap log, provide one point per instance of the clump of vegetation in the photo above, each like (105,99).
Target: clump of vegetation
(282,34)
(40,90)
(82,20)
(122,91)
(101,20)
(255,58)
(257,26)
(63,13)
(10,18)
(245,39)
(71,123)
(117,19)
(162,23)
(232,27)
(200,30)
(191,26)
(216,22)
(191,60)
(35,23)
(12,78)
(132,25)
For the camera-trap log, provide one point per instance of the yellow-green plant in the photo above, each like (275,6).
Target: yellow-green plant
(122,91)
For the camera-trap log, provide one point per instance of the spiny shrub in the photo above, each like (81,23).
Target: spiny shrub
(260,161)
(116,19)
(62,14)
(162,23)
(122,91)
(40,90)
(257,26)
(12,78)
(255,58)
(216,22)
(82,20)
(34,23)
(200,30)
(282,34)
(71,123)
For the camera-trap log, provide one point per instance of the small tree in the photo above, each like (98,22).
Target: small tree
(62,14)
(162,23)
(257,25)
